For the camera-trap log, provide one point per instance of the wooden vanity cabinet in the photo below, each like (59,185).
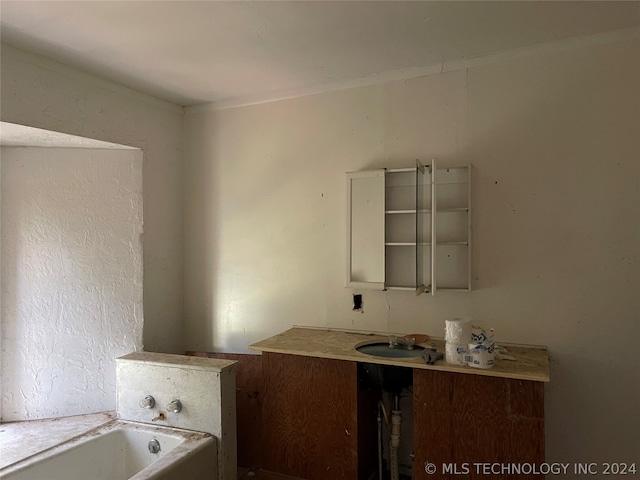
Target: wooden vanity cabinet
(462,419)
(319,421)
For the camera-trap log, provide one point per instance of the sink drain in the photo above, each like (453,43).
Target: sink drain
(154,446)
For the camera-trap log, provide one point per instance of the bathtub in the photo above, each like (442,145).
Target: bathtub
(119,450)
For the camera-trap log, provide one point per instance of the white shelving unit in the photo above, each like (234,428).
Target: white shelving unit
(410,229)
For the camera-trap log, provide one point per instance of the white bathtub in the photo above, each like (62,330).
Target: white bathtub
(118,450)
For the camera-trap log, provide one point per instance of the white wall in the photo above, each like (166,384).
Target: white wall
(554,143)
(71,277)
(40,93)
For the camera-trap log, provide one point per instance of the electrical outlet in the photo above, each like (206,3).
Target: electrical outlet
(357,302)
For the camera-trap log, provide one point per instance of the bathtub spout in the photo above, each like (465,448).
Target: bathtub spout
(161,416)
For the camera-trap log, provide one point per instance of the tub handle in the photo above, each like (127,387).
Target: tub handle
(148,402)
(174,406)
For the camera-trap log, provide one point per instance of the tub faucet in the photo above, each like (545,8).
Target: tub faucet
(161,417)
(174,406)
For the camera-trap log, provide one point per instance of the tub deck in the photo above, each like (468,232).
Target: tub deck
(20,440)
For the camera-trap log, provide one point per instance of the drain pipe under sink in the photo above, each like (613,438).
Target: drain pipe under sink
(381,411)
(379,441)
(396,419)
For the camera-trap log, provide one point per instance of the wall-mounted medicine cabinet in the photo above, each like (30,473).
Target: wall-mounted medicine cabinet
(410,228)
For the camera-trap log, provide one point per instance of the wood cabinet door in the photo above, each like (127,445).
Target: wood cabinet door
(309,416)
(465,424)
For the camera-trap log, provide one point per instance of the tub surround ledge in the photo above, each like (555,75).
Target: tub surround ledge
(531,362)
(21,440)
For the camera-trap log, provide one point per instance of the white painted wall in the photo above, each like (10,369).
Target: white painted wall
(44,94)
(554,142)
(71,277)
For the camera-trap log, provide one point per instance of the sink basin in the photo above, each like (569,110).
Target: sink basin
(381,349)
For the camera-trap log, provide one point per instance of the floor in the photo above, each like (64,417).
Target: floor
(248,474)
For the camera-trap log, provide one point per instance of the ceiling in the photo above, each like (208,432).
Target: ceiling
(193,52)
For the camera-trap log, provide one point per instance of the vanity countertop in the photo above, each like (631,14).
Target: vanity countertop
(531,362)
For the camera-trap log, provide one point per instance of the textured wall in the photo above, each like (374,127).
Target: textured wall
(553,139)
(71,277)
(44,94)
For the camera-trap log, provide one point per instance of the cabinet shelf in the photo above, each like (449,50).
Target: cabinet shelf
(399,212)
(401,288)
(401,170)
(423,244)
(462,242)
(428,212)
(410,288)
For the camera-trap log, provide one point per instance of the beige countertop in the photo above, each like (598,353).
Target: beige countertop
(531,362)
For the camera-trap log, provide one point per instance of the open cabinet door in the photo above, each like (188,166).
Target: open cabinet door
(366,229)
(434,216)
